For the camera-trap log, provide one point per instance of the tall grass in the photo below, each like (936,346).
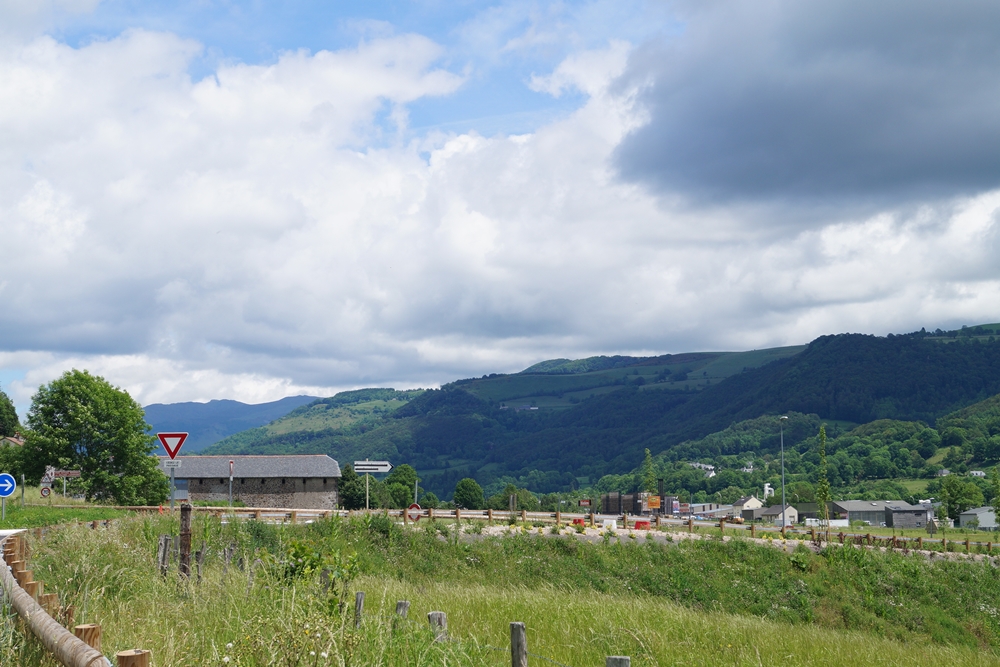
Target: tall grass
(661,604)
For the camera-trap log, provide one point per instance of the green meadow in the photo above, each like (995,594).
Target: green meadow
(678,603)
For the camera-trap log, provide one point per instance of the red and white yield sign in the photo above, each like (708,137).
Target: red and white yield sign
(413,512)
(172,442)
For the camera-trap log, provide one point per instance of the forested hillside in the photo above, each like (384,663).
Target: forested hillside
(463,430)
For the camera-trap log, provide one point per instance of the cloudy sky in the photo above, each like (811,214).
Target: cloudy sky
(212,199)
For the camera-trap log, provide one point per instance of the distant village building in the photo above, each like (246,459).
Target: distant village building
(980,517)
(872,512)
(709,469)
(746,503)
(943,472)
(294,481)
(748,468)
(905,515)
(12,440)
(773,514)
(977,473)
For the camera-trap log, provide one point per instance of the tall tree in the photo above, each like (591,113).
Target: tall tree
(823,483)
(648,473)
(995,484)
(468,494)
(81,421)
(9,424)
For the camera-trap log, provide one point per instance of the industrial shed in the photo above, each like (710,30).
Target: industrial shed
(300,481)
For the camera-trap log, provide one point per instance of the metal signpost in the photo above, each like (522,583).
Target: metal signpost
(65,474)
(7,487)
(231,464)
(172,442)
(367,467)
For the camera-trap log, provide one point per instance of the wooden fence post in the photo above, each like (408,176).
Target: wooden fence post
(618,661)
(359,607)
(920,543)
(690,524)
(184,559)
(89,634)
(657,520)
(966,546)
(722,525)
(439,622)
(489,515)
(524,516)
(430,513)
(135,657)
(753,530)
(593,521)
(458,515)
(402,608)
(518,645)
(558,518)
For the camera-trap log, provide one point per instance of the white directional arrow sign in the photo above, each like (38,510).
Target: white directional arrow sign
(7,485)
(372,466)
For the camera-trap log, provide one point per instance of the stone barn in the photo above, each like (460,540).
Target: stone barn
(294,481)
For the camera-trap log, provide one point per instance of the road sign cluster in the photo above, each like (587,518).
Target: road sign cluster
(372,466)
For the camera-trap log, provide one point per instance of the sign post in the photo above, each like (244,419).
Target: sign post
(172,442)
(231,464)
(367,467)
(7,487)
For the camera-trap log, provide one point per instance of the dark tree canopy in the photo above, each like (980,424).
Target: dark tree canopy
(80,421)
(8,416)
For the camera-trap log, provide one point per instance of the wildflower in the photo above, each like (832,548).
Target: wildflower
(225,659)
(229,645)
(323,654)
(312,652)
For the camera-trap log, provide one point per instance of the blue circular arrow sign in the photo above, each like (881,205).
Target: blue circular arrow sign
(7,484)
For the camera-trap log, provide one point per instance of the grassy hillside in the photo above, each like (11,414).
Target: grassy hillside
(208,423)
(478,428)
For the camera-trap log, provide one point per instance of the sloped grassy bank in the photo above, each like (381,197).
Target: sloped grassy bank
(734,603)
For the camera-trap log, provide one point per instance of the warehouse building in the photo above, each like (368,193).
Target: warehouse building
(295,481)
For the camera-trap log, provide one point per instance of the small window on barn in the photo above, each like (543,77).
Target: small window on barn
(243,480)
(222,481)
(282,481)
(262,480)
(324,481)
(303,481)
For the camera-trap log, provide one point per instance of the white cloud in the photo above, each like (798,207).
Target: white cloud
(265,232)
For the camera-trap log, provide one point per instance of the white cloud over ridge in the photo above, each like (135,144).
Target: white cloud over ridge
(274,229)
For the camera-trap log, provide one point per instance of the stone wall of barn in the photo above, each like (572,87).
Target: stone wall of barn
(292,492)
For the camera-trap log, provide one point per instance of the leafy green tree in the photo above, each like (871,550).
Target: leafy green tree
(351,490)
(429,500)
(958,495)
(400,483)
(81,421)
(648,473)
(729,495)
(822,481)
(468,494)
(9,424)
(995,484)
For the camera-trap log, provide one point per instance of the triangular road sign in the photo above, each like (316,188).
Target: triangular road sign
(172,442)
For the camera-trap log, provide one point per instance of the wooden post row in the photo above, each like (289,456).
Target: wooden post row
(359,607)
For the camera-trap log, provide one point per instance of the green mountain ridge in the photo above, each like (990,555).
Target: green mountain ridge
(591,423)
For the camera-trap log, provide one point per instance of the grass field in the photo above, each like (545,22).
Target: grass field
(690,602)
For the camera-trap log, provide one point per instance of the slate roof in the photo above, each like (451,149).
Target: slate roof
(207,467)
(744,500)
(775,510)
(870,505)
(978,510)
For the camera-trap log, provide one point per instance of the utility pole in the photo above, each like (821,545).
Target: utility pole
(415,482)
(781,425)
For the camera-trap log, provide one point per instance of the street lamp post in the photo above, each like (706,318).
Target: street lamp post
(781,425)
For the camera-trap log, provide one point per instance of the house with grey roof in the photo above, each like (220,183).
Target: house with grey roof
(773,514)
(294,481)
(980,517)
